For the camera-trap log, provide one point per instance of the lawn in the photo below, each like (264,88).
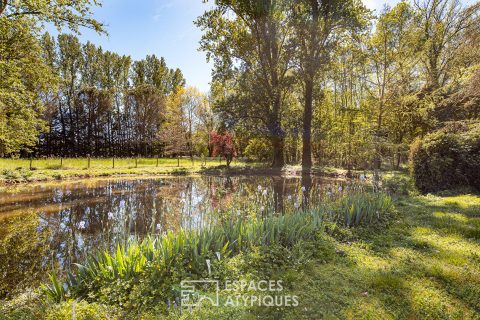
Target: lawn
(22,170)
(425,265)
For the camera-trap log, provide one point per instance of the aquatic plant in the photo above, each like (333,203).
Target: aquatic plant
(362,207)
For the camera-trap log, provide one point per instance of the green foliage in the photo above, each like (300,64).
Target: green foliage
(397,184)
(258,149)
(150,268)
(24,77)
(363,208)
(81,310)
(55,291)
(447,159)
(142,274)
(61,13)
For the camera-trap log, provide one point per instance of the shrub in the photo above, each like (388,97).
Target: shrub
(447,159)
(397,184)
(258,149)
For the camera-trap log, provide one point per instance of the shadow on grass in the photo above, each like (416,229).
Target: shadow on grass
(424,265)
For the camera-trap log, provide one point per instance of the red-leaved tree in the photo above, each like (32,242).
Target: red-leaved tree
(222,144)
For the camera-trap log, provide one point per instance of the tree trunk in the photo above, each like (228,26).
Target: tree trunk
(3,5)
(278,143)
(307,127)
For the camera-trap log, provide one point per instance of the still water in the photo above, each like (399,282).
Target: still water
(50,227)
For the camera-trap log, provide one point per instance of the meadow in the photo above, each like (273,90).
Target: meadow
(44,169)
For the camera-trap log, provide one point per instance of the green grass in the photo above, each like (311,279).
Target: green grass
(18,170)
(425,265)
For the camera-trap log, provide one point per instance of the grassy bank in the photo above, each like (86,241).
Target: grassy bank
(22,170)
(422,264)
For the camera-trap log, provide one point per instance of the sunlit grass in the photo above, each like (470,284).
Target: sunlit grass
(22,170)
(417,268)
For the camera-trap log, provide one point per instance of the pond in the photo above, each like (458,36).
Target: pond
(51,227)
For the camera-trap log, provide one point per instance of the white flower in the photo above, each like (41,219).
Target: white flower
(62,225)
(264,192)
(304,189)
(340,188)
(363,177)
(81,225)
(259,188)
(262,208)
(218,255)
(122,204)
(289,197)
(110,215)
(296,205)
(158,226)
(329,193)
(209,266)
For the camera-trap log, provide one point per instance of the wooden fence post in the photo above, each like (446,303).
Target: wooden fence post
(61,162)
(113,161)
(88,155)
(31,163)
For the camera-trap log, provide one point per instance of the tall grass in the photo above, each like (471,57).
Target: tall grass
(358,208)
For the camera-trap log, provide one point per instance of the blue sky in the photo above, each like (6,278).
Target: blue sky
(164,28)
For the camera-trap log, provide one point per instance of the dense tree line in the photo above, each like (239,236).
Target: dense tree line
(105,104)
(331,80)
(59,97)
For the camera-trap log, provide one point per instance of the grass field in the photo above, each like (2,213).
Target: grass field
(24,170)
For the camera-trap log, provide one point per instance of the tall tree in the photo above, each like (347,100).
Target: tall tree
(387,47)
(24,79)
(248,41)
(442,23)
(319,26)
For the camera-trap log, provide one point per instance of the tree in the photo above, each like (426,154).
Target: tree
(248,43)
(96,109)
(24,78)
(387,46)
(318,26)
(223,146)
(442,23)
(193,102)
(71,14)
(173,133)
(206,124)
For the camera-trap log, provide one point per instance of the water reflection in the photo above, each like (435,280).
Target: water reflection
(84,215)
